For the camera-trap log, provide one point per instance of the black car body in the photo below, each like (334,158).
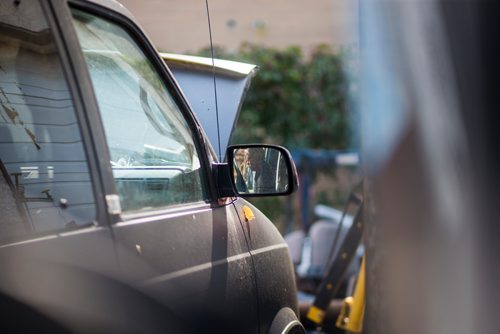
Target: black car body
(150,241)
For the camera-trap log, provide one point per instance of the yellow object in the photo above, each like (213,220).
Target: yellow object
(353,309)
(248,213)
(315,314)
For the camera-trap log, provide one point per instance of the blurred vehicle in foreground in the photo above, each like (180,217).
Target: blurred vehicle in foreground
(430,154)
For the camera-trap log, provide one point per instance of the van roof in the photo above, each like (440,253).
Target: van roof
(116,6)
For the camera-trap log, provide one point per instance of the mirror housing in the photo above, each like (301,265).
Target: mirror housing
(261,170)
(223,180)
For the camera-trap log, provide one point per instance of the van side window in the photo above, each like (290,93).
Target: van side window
(153,154)
(44,177)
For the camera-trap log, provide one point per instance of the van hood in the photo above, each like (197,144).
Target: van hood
(195,77)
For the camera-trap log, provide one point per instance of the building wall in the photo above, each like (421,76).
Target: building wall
(181,26)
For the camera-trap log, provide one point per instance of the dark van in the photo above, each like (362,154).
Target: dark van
(116,214)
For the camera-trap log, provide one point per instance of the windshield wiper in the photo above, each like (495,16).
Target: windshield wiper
(21,209)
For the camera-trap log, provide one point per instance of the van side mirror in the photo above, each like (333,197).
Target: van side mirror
(261,170)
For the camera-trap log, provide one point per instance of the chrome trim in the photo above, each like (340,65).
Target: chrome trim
(174,212)
(208,265)
(268,248)
(291,325)
(189,270)
(29,241)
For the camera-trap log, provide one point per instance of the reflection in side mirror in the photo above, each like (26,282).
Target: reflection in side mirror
(260,170)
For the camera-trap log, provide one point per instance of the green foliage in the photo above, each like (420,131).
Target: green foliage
(293,101)
(297,102)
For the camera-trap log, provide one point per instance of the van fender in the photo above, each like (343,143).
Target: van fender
(286,322)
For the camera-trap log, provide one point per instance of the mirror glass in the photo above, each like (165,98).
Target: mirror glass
(260,170)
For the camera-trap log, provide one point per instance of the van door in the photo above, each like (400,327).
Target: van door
(173,239)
